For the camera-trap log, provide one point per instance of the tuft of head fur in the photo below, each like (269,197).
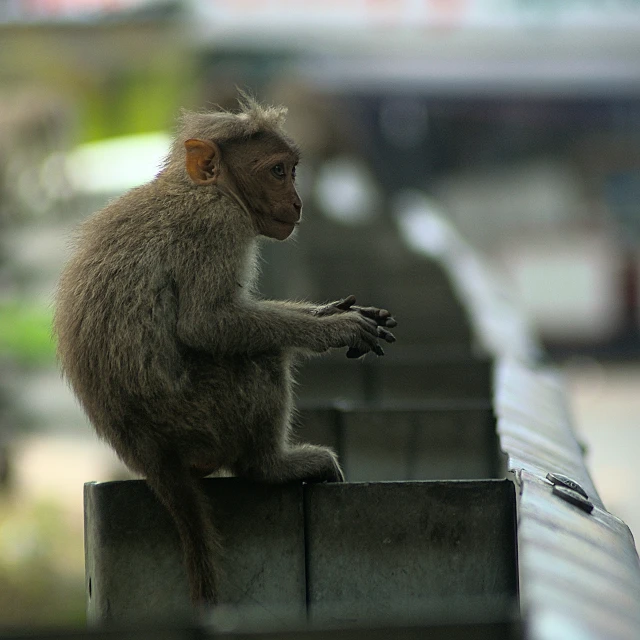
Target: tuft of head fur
(225,126)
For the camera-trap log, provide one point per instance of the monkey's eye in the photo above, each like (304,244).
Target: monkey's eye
(278,171)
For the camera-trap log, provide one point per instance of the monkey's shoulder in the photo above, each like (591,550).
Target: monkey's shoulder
(163,208)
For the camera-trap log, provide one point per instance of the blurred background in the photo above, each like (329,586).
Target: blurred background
(516,120)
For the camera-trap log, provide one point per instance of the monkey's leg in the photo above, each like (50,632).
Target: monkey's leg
(305,462)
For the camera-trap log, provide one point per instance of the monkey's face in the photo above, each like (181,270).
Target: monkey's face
(278,206)
(260,170)
(264,171)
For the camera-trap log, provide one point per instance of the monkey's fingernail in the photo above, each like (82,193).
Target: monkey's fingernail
(379,351)
(391,322)
(386,335)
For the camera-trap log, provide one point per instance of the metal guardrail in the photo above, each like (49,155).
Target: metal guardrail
(579,569)
(578,564)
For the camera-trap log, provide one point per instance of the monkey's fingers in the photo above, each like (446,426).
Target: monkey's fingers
(354,352)
(382,317)
(387,336)
(371,327)
(371,339)
(372,345)
(336,307)
(385,319)
(366,339)
(373,313)
(346,304)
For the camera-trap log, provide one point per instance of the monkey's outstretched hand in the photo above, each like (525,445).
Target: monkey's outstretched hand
(381,317)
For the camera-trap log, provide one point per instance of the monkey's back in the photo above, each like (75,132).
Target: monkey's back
(116,304)
(116,319)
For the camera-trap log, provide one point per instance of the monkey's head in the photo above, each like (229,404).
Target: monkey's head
(249,156)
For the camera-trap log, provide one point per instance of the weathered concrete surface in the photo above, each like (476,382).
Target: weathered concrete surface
(383,550)
(342,552)
(134,567)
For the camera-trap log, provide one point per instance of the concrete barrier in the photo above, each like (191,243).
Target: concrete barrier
(340,553)
(426,441)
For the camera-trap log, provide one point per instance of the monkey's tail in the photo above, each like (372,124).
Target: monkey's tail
(183,496)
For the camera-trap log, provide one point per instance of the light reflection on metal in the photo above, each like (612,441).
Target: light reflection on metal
(578,565)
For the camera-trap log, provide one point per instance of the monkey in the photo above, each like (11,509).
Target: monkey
(161,333)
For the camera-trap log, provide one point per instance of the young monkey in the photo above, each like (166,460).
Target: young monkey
(177,362)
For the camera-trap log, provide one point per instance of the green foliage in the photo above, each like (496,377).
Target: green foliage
(132,101)
(25,334)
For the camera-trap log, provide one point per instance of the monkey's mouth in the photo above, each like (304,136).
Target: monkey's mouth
(287,223)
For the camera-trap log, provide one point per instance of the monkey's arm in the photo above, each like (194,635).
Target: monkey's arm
(382,317)
(251,326)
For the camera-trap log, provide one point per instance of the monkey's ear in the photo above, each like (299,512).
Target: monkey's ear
(203,161)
